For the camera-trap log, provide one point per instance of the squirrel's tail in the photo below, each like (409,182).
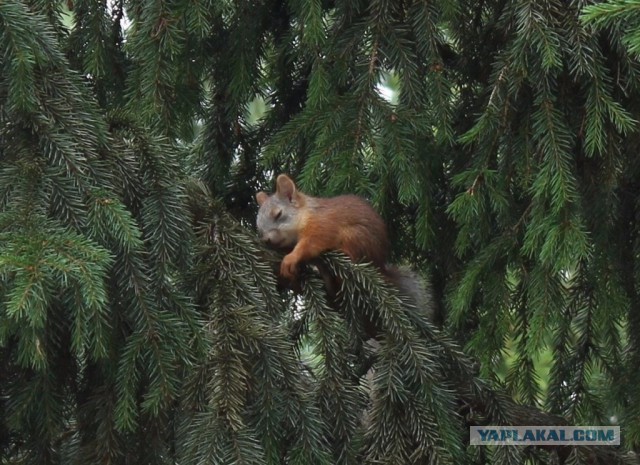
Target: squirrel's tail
(414,288)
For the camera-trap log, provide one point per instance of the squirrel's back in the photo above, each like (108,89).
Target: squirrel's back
(349,224)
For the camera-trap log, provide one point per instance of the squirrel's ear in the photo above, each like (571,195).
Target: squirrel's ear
(261,197)
(285,187)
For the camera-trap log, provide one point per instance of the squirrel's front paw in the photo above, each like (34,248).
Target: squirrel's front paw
(289,267)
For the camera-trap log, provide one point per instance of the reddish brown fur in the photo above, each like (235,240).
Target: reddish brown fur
(349,224)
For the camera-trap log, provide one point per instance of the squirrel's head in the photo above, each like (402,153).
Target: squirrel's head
(279,214)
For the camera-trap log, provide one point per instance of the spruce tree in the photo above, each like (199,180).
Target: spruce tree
(142,322)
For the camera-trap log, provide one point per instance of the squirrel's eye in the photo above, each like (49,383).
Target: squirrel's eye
(278,215)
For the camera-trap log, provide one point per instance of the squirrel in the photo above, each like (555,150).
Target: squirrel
(307,226)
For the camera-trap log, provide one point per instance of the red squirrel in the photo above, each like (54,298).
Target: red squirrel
(308,226)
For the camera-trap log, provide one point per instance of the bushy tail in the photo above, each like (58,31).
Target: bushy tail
(413,287)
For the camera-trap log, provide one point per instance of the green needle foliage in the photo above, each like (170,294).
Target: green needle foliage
(140,320)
